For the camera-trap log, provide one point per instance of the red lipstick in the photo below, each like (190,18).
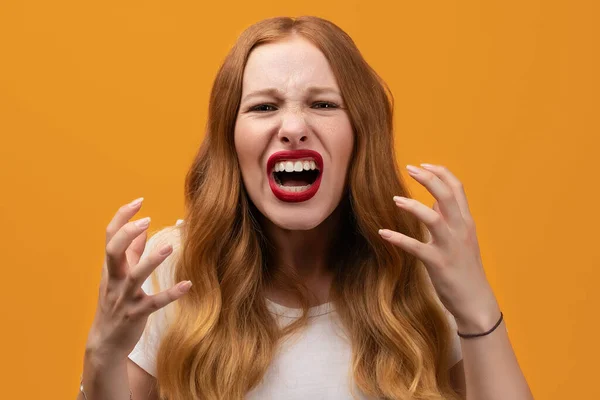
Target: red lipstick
(290,155)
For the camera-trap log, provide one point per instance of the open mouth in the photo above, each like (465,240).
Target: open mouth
(295,176)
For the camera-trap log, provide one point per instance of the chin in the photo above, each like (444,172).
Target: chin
(296,216)
(297,220)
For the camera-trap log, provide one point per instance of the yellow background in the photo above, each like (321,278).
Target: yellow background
(102,102)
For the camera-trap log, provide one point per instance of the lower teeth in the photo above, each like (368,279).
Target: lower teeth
(295,188)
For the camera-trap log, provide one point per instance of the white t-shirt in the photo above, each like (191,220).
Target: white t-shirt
(312,365)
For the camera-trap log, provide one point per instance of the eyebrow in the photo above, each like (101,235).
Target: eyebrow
(276,93)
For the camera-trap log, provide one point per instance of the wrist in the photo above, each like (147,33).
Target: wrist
(478,322)
(104,377)
(100,357)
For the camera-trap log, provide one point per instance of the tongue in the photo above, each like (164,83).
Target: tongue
(295,179)
(294,182)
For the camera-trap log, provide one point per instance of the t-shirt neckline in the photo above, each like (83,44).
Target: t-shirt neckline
(289,312)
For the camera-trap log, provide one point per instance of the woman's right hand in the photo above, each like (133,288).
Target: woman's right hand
(123,307)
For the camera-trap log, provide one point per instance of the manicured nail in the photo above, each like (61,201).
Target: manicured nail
(385,233)
(184,286)
(136,202)
(413,169)
(400,199)
(143,223)
(427,165)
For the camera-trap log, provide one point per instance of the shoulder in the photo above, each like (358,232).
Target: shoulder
(169,234)
(144,353)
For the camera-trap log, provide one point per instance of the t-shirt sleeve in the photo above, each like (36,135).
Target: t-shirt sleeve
(144,352)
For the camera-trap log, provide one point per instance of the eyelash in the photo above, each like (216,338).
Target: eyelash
(330,104)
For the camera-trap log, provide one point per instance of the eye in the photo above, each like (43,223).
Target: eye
(326,104)
(269,107)
(261,107)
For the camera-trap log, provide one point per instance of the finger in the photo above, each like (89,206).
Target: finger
(124,214)
(116,259)
(422,251)
(455,185)
(135,251)
(166,297)
(140,272)
(442,193)
(433,220)
(436,207)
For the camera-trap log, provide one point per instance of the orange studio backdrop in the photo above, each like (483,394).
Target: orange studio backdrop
(104,102)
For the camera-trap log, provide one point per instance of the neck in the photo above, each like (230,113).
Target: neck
(304,253)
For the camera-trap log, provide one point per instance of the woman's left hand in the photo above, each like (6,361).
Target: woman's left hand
(451,256)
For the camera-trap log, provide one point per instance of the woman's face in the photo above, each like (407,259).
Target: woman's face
(292,136)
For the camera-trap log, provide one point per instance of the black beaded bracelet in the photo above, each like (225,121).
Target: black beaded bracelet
(473,335)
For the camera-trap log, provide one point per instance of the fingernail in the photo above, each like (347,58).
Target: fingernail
(427,165)
(412,169)
(165,250)
(143,223)
(184,286)
(136,202)
(399,199)
(385,233)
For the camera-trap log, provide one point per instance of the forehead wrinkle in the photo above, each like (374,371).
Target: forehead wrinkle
(295,80)
(287,67)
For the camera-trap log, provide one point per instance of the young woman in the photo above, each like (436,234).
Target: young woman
(302,268)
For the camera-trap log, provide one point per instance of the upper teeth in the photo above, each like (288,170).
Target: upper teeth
(290,166)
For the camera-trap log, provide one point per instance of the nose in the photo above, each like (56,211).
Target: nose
(293,130)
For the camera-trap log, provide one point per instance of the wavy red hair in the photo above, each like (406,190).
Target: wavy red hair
(224,337)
